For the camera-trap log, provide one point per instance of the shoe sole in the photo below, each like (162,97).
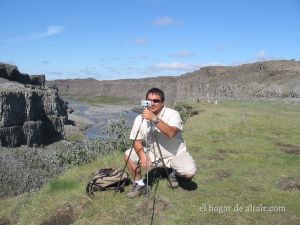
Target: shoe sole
(172,186)
(144,192)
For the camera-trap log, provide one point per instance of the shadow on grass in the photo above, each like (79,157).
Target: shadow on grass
(157,204)
(158,173)
(188,185)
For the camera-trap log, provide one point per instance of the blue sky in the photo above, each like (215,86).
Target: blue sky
(118,39)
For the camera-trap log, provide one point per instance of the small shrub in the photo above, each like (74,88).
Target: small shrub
(185,111)
(74,137)
(115,138)
(77,154)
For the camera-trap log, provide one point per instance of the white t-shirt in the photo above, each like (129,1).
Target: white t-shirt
(148,131)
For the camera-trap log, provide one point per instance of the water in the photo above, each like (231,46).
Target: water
(100,116)
(100,122)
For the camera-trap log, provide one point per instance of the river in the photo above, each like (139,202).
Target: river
(101,115)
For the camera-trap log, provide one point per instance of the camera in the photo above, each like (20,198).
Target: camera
(146,103)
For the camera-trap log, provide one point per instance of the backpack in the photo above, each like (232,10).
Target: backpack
(107,179)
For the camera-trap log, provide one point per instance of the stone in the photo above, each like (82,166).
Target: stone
(30,115)
(33,132)
(12,73)
(38,79)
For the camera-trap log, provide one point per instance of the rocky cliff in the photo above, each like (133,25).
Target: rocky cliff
(12,73)
(270,79)
(29,114)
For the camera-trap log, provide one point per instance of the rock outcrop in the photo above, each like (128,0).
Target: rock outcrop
(269,79)
(30,115)
(11,72)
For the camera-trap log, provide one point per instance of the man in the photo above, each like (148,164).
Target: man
(160,128)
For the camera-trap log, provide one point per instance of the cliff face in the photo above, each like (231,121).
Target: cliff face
(11,73)
(271,79)
(31,115)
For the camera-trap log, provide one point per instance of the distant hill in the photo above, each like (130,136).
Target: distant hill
(269,79)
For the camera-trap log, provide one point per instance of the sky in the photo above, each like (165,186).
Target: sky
(125,39)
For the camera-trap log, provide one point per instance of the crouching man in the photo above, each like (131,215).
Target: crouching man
(160,128)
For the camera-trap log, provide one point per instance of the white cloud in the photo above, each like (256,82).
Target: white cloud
(212,64)
(183,54)
(87,70)
(56,73)
(261,55)
(220,47)
(166,21)
(45,62)
(175,66)
(141,41)
(51,30)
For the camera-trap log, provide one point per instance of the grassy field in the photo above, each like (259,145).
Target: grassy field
(98,100)
(248,173)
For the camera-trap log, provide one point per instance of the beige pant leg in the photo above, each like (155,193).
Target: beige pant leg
(184,164)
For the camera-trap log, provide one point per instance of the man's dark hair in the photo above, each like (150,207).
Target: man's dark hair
(156,91)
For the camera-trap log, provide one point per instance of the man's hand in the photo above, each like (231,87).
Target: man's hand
(145,162)
(148,115)
(169,131)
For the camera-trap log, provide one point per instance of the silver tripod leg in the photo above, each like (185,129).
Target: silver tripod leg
(163,162)
(129,154)
(147,157)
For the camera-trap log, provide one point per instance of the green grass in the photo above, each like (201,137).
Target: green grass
(239,149)
(74,137)
(62,184)
(98,100)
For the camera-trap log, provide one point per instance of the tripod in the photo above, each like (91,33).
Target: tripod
(160,153)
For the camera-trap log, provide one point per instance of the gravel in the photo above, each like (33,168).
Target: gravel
(25,169)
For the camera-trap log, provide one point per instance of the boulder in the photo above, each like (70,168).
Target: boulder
(11,72)
(37,79)
(30,115)
(11,136)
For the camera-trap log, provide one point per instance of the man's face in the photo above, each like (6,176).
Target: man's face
(156,103)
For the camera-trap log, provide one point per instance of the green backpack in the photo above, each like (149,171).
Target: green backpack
(107,179)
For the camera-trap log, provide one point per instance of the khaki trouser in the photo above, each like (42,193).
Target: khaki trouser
(182,162)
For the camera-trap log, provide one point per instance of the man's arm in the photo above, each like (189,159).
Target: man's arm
(167,130)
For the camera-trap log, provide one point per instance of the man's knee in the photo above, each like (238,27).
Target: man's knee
(184,165)
(187,176)
(126,154)
(188,172)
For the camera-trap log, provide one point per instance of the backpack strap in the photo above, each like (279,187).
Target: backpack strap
(105,179)
(89,190)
